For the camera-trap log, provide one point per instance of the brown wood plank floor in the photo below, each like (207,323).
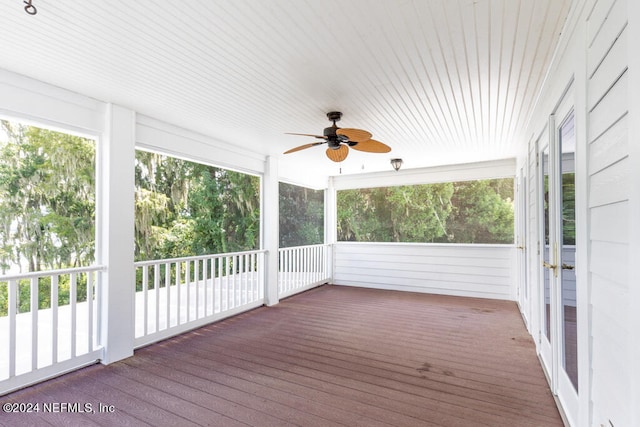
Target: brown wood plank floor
(331,356)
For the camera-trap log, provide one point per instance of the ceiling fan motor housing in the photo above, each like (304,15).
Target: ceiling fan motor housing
(334,140)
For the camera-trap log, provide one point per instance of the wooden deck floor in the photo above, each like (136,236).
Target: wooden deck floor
(331,356)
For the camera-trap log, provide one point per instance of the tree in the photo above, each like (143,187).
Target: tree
(225,206)
(301,216)
(415,213)
(460,212)
(482,212)
(185,208)
(419,213)
(47,198)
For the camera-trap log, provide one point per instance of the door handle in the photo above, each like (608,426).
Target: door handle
(549,266)
(568,266)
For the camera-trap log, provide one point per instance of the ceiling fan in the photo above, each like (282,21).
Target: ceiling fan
(340,139)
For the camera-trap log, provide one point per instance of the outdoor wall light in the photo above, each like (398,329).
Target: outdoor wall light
(396,163)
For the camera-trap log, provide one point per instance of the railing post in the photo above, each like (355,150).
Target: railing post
(270,231)
(115,231)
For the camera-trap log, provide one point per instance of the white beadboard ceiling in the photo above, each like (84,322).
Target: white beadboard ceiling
(440,81)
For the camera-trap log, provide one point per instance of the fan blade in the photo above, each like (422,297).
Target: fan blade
(302,147)
(372,146)
(355,135)
(338,155)
(306,134)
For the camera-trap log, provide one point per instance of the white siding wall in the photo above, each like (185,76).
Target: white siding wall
(596,54)
(607,105)
(484,271)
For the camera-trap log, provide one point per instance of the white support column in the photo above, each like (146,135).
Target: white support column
(116,233)
(270,229)
(330,223)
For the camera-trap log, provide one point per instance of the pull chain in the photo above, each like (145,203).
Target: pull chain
(30,8)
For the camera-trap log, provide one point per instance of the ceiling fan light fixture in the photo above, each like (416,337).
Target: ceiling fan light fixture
(396,163)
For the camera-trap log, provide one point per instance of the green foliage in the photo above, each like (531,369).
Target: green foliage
(482,212)
(47,198)
(416,213)
(460,212)
(301,216)
(185,208)
(568,209)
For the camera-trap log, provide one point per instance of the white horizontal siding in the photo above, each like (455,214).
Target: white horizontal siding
(609,109)
(485,271)
(609,182)
(610,148)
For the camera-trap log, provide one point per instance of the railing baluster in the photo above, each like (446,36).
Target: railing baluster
(145,298)
(243,264)
(296,268)
(205,283)
(187,280)
(280,271)
(98,307)
(285,270)
(298,253)
(167,285)
(319,263)
(34,323)
(307,261)
(259,277)
(90,311)
(156,289)
(292,269)
(227,270)
(312,263)
(288,270)
(12,312)
(222,297)
(178,293)
(316,263)
(196,276)
(234,279)
(303,266)
(73,297)
(213,285)
(54,318)
(256,279)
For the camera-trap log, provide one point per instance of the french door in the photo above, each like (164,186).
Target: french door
(558,325)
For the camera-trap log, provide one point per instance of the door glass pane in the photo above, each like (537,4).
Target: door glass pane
(544,163)
(568,252)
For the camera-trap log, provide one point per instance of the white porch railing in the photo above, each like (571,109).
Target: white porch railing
(46,335)
(302,268)
(179,294)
